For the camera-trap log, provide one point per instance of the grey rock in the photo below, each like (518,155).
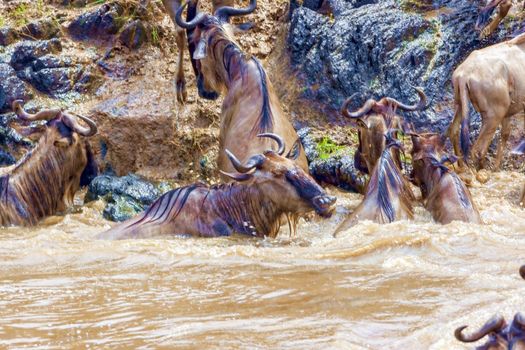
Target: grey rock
(43,29)
(133,35)
(12,87)
(28,51)
(8,36)
(101,23)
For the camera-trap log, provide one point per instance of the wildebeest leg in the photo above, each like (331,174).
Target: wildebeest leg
(505,133)
(453,133)
(490,122)
(172,6)
(503,10)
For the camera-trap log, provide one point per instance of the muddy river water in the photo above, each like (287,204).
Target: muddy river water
(406,285)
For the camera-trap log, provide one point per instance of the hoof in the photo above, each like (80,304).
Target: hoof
(482,176)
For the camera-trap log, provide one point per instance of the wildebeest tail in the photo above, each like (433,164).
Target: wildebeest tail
(485,13)
(465,121)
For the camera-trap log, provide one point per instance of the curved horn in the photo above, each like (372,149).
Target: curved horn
(224,13)
(369,104)
(237,177)
(72,122)
(188,25)
(280,142)
(495,324)
(251,164)
(46,114)
(422,104)
(522,272)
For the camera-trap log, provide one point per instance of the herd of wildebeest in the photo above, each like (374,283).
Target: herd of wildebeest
(263,166)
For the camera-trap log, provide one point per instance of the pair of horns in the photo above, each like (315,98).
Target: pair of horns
(48,114)
(494,325)
(223,13)
(255,161)
(422,104)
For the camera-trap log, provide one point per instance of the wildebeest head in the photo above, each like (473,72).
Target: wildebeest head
(280,178)
(426,147)
(374,119)
(62,146)
(204,33)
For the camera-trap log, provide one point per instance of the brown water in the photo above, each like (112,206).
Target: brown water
(406,285)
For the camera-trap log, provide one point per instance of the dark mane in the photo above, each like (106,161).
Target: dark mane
(231,53)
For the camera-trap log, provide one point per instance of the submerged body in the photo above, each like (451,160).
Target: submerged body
(492,79)
(270,187)
(46,179)
(388,196)
(445,196)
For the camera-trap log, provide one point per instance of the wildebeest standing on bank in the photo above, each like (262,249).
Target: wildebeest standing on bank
(373,120)
(503,7)
(388,194)
(46,179)
(493,80)
(268,186)
(445,196)
(171,7)
(502,336)
(250,106)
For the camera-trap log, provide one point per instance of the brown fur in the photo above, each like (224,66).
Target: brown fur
(45,180)
(255,207)
(388,195)
(171,7)
(445,196)
(492,79)
(250,106)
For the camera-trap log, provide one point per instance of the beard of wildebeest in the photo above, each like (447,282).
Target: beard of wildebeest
(46,179)
(445,196)
(250,104)
(270,186)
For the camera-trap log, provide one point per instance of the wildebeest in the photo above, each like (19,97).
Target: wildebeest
(445,196)
(388,194)
(268,186)
(374,119)
(45,180)
(172,6)
(492,79)
(487,11)
(250,106)
(519,150)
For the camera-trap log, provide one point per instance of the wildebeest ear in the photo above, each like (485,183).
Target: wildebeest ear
(408,128)
(449,158)
(361,123)
(237,177)
(295,151)
(63,142)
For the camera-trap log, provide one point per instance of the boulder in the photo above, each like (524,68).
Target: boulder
(382,48)
(28,51)
(133,35)
(12,87)
(8,36)
(99,24)
(43,29)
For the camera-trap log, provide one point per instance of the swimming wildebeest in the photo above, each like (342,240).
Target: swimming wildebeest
(445,196)
(492,79)
(171,7)
(46,179)
(388,194)
(250,106)
(374,119)
(502,336)
(268,186)
(486,12)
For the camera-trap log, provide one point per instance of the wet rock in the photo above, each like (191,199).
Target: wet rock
(12,87)
(40,30)
(126,196)
(101,23)
(378,48)
(56,81)
(6,159)
(8,36)
(133,35)
(337,169)
(28,51)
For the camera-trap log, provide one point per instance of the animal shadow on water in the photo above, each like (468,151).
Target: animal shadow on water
(267,187)
(501,335)
(388,194)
